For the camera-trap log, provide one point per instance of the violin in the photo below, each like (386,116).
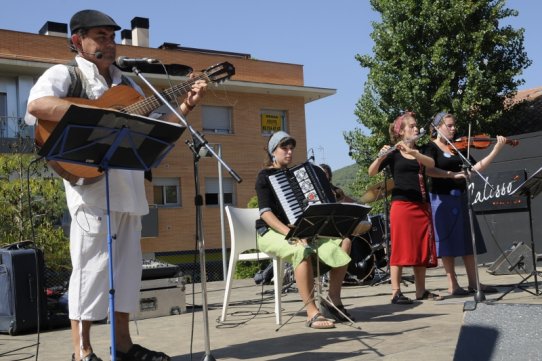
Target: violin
(480,141)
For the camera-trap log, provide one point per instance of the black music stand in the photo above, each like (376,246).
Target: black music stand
(330,220)
(530,188)
(110,139)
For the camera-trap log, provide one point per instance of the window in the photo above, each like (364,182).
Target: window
(272,121)
(167,192)
(216,119)
(3,115)
(212,190)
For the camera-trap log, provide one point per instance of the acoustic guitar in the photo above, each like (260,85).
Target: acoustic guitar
(128,100)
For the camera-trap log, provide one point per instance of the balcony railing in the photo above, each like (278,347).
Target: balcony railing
(15,135)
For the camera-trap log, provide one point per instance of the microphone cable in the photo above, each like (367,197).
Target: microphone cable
(36,259)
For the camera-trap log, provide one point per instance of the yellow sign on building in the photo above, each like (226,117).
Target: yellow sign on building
(271,123)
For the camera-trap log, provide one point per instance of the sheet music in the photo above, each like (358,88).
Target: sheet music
(532,186)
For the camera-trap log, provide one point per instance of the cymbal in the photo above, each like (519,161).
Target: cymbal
(362,228)
(377,191)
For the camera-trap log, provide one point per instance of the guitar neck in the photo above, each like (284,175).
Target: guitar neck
(149,104)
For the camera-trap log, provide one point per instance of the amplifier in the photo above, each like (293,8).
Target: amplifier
(153,269)
(21,289)
(161,297)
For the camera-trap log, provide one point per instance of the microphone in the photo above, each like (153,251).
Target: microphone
(97,54)
(124,61)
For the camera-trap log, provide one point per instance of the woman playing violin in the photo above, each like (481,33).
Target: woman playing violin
(449,203)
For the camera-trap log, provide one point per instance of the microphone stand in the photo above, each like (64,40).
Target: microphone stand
(467,166)
(385,278)
(198,142)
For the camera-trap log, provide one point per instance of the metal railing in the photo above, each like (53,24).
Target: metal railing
(15,135)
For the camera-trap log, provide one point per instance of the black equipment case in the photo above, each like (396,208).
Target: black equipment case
(21,289)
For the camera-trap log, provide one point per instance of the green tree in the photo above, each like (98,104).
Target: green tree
(31,207)
(434,55)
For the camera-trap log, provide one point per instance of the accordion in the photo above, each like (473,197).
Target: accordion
(297,187)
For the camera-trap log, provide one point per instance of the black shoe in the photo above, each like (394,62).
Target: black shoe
(139,353)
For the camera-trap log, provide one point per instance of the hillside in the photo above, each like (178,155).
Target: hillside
(344,177)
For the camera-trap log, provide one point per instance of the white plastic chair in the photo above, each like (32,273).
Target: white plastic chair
(243,238)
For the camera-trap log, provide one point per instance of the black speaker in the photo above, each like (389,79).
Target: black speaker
(519,258)
(21,290)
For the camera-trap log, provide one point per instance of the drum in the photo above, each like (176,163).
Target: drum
(376,237)
(363,260)
(377,231)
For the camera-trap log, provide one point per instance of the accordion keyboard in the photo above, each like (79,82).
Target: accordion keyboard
(295,189)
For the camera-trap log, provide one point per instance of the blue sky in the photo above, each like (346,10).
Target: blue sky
(322,36)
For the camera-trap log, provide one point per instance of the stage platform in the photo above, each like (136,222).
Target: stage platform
(426,330)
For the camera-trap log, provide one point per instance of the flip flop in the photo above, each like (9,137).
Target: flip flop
(319,322)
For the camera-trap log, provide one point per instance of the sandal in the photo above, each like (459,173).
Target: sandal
(430,296)
(90,357)
(459,292)
(330,312)
(319,322)
(400,299)
(140,353)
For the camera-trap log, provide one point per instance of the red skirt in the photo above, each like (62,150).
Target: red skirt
(411,231)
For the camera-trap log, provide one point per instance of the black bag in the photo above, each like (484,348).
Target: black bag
(264,276)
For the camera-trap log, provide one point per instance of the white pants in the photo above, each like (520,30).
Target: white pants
(88,294)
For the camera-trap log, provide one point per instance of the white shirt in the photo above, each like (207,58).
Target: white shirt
(126,187)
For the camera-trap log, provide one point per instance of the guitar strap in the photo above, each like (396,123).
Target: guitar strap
(78,85)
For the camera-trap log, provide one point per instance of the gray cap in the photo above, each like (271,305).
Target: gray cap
(86,19)
(276,139)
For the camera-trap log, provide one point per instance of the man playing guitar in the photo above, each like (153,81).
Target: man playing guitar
(93,39)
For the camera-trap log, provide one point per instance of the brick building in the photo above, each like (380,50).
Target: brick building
(235,116)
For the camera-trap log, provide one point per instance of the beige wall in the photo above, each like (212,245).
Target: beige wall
(242,150)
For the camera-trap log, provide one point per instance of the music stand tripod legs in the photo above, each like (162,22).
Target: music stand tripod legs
(315,293)
(328,220)
(530,188)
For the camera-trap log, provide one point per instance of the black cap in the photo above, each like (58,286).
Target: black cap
(86,19)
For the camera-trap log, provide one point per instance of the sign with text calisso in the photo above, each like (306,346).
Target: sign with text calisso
(497,197)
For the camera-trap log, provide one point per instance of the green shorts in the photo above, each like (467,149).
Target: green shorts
(330,252)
